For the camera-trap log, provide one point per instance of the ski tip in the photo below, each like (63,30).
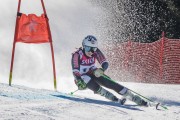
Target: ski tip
(161,106)
(157,106)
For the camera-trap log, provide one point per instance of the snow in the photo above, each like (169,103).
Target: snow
(31,96)
(20,102)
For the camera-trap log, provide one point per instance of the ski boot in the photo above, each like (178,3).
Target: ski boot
(135,98)
(110,96)
(139,101)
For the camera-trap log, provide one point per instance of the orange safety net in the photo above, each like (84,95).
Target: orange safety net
(146,62)
(32,29)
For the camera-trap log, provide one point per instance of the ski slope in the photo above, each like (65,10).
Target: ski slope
(23,103)
(31,96)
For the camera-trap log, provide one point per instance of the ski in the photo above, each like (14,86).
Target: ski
(120,102)
(157,105)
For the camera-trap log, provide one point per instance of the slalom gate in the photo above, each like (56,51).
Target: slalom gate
(32,29)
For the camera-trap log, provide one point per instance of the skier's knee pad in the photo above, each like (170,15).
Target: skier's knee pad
(106,94)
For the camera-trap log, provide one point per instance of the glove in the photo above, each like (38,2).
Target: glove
(81,84)
(98,72)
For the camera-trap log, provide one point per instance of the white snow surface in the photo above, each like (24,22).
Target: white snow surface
(23,103)
(31,96)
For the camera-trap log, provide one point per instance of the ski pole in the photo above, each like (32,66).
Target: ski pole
(107,77)
(71,93)
(140,95)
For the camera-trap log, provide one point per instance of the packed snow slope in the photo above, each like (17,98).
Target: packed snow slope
(23,103)
(70,22)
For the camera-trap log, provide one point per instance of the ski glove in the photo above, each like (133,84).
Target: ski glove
(98,72)
(81,84)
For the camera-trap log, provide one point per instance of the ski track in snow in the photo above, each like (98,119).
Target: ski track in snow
(18,103)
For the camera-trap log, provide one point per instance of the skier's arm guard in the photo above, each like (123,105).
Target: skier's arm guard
(101,59)
(76,66)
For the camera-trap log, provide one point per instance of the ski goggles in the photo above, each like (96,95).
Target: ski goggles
(90,49)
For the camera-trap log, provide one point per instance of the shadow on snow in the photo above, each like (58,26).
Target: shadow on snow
(99,102)
(166,102)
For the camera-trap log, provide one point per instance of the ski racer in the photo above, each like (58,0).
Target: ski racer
(87,75)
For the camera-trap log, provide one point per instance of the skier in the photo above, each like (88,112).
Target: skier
(87,75)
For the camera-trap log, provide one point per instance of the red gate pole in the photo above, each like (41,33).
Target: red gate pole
(51,45)
(14,45)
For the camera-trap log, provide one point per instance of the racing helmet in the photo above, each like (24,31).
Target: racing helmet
(90,43)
